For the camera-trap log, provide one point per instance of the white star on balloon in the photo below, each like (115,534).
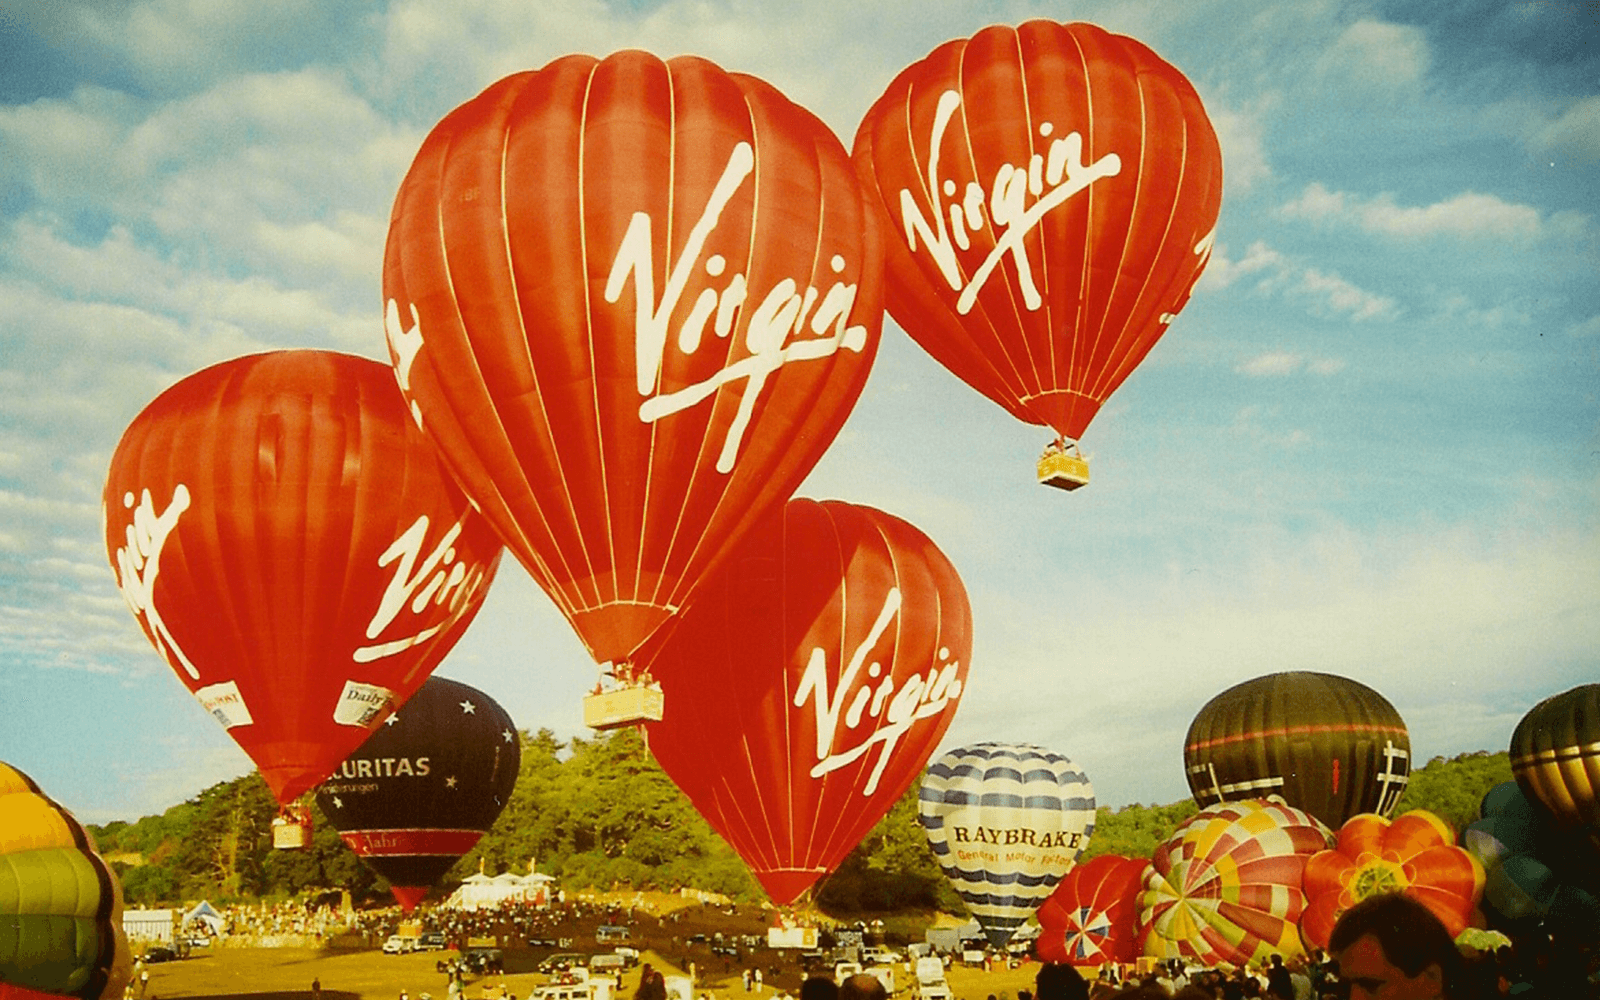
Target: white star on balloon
(338,803)
(467,708)
(450,782)
(392,719)
(507,735)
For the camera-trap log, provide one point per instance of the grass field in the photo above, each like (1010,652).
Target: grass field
(287,974)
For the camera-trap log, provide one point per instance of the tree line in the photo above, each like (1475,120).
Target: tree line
(599,812)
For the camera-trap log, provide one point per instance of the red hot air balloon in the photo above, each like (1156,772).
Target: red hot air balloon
(1091,916)
(809,683)
(425,786)
(295,551)
(632,301)
(1053,190)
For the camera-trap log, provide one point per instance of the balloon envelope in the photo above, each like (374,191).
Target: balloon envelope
(1555,755)
(1534,868)
(1415,855)
(809,683)
(60,904)
(293,548)
(632,301)
(1051,191)
(1326,744)
(1005,822)
(1226,886)
(425,786)
(1091,916)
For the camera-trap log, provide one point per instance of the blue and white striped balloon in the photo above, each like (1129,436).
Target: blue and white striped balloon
(1005,822)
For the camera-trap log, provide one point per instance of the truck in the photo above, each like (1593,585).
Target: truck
(930,979)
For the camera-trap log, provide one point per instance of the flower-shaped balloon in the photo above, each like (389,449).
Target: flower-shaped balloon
(1416,854)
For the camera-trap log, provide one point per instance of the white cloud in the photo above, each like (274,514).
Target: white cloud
(1222,271)
(1587,328)
(1470,214)
(1241,134)
(1333,294)
(1377,57)
(1575,134)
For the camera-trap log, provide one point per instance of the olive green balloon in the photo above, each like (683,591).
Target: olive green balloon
(1327,744)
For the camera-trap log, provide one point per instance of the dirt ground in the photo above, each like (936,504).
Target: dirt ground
(287,974)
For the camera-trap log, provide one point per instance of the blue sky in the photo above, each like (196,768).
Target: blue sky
(1370,445)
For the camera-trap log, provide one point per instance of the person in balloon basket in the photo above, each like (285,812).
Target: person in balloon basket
(1391,947)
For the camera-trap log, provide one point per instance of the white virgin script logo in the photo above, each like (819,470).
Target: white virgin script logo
(436,578)
(139,563)
(1049,178)
(784,310)
(894,711)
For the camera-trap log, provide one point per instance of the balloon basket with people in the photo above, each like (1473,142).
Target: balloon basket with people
(1063,466)
(623,697)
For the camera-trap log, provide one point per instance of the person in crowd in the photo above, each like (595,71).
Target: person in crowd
(862,986)
(819,988)
(1058,981)
(1391,947)
(1280,985)
(652,986)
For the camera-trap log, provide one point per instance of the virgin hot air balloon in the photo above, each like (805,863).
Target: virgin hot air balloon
(1091,916)
(1555,755)
(60,904)
(632,302)
(1327,744)
(425,786)
(1005,822)
(1052,192)
(809,683)
(293,548)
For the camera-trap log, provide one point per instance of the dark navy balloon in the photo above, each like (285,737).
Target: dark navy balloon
(425,786)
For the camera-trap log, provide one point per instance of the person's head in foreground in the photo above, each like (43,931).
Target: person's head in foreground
(862,986)
(1391,947)
(1057,981)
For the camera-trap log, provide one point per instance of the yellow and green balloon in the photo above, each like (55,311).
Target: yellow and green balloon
(60,905)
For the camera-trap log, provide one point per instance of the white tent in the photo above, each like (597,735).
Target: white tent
(482,891)
(206,914)
(148,925)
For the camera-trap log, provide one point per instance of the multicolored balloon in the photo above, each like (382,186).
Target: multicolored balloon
(1555,755)
(809,683)
(1005,822)
(1415,855)
(1225,887)
(1091,918)
(632,302)
(294,550)
(1326,744)
(60,904)
(1053,192)
(425,786)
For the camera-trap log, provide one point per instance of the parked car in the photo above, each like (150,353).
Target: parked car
(397,945)
(160,953)
(562,961)
(431,941)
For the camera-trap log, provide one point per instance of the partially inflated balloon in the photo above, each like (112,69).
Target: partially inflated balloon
(1415,855)
(1327,744)
(1226,886)
(1005,822)
(1052,191)
(295,551)
(425,786)
(632,301)
(1555,755)
(1534,869)
(809,683)
(1091,917)
(60,904)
